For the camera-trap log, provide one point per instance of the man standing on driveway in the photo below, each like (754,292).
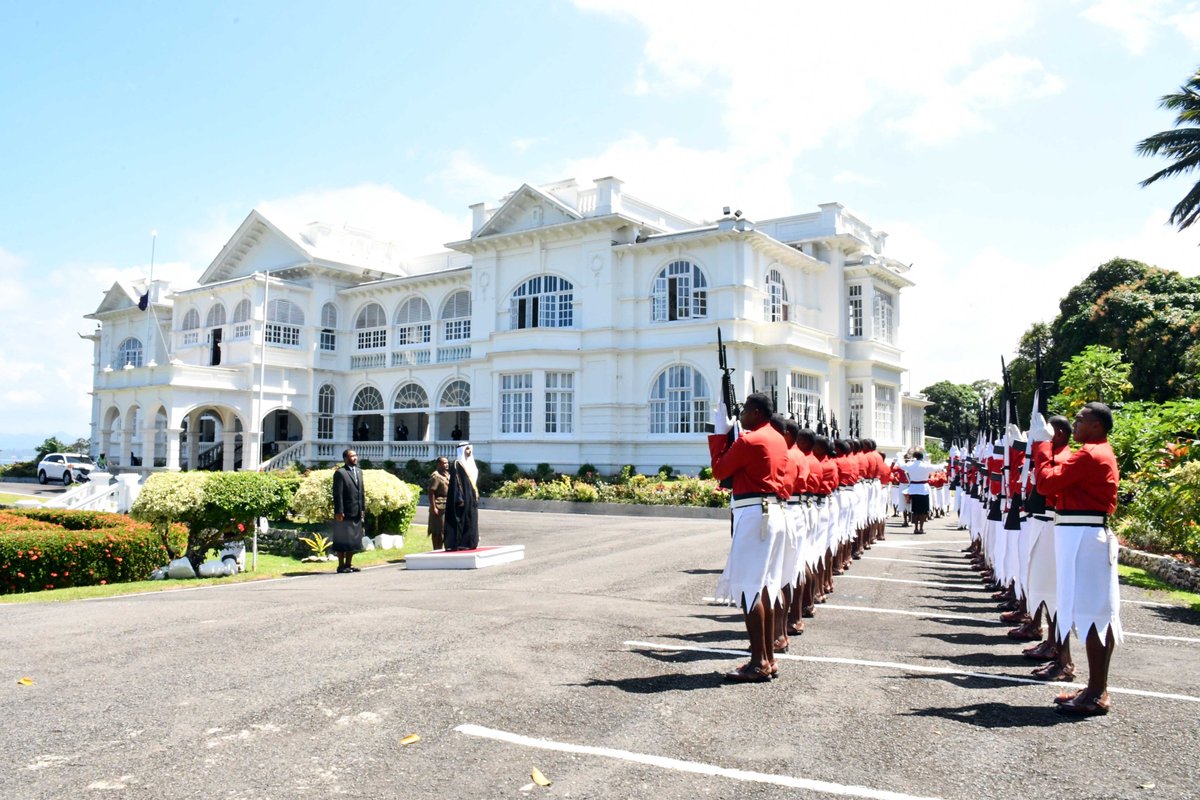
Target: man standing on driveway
(349,509)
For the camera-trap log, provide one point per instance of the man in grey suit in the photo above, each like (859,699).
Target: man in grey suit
(349,508)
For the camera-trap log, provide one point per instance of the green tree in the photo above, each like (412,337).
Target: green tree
(1098,373)
(50,445)
(954,412)
(80,445)
(1181,146)
(213,505)
(1151,315)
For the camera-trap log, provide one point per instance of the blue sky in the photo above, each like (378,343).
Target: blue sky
(995,145)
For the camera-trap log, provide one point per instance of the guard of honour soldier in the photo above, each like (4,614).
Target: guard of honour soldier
(805,506)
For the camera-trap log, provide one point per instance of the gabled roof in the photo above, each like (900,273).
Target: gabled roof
(255,233)
(260,245)
(515,210)
(120,297)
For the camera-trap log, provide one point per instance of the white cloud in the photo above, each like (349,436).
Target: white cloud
(848,177)
(952,111)
(992,297)
(788,76)
(1133,21)
(414,225)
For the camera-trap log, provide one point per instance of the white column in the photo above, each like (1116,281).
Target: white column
(173,448)
(228,442)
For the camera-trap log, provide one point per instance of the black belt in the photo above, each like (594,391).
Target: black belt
(748,495)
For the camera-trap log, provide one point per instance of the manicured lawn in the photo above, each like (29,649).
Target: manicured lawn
(269,566)
(6,499)
(1136,576)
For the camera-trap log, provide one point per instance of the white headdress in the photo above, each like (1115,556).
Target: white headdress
(464,456)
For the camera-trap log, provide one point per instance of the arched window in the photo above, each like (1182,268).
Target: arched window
(241,320)
(284,319)
(775,304)
(456,316)
(680,292)
(368,399)
(456,395)
(542,302)
(129,353)
(411,395)
(329,316)
(679,401)
(216,316)
(191,320)
(371,328)
(412,322)
(326,398)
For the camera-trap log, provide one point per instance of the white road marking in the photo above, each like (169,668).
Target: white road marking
(694,767)
(1148,603)
(916,561)
(912,668)
(985,620)
(943,584)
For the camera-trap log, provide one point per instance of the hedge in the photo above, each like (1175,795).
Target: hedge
(55,548)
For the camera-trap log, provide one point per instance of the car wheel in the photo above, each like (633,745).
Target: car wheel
(67,480)
(42,476)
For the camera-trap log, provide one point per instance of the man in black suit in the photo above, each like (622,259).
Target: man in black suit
(349,508)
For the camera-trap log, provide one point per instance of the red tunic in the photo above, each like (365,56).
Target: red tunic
(847,470)
(1086,480)
(882,470)
(797,471)
(1016,458)
(995,468)
(757,461)
(813,485)
(829,475)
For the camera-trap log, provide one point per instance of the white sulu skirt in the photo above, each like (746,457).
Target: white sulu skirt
(1086,572)
(794,544)
(756,555)
(1041,583)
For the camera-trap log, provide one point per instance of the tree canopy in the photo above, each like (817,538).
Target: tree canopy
(1181,146)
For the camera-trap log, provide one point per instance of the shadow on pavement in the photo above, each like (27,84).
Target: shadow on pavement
(701,571)
(998,715)
(969,639)
(654,684)
(708,637)
(1181,614)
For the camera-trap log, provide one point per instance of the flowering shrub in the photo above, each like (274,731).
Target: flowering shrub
(391,503)
(53,548)
(626,488)
(213,506)
(1165,514)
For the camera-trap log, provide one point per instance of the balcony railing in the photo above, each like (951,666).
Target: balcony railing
(410,358)
(368,361)
(446,355)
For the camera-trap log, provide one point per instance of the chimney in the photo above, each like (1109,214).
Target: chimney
(478,218)
(608,195)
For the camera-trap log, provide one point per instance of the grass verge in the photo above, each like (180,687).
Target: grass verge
(9,499)
(1136,576)
(269,566)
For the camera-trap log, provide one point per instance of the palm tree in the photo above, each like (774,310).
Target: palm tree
(1182,145)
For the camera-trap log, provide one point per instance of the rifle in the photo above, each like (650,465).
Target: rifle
(774,399)
(807,424)
(728,397)
(1043,401)
(833,426)
(822,428)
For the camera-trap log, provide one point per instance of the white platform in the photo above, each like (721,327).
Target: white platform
(466,559)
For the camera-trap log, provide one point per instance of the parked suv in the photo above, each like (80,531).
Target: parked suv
(65,467)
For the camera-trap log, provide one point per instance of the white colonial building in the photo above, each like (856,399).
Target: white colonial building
(575,324)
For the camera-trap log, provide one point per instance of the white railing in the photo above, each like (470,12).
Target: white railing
(460,352)
(284,458)
(100,493)
(410,358)
(368,361)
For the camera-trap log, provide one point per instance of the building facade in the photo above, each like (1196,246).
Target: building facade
(575,324)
